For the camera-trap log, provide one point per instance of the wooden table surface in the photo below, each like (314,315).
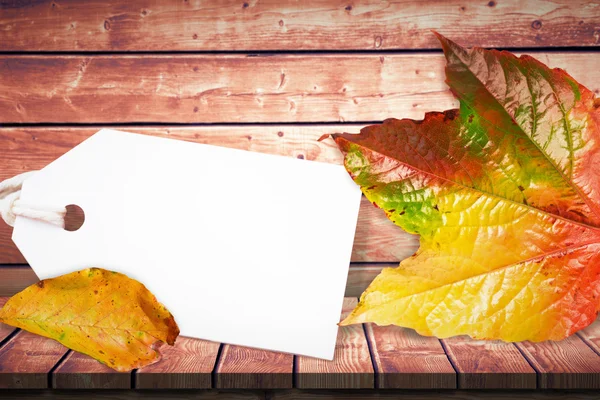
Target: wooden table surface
(270,76)
(366,357)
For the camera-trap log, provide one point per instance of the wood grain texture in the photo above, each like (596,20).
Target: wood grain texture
(186,365)
(360,276)
(489,364)
(237,88)
(405,360)
(78,371)
(568,364)
(9,254)
(246,368)
(5,330)
(26,360)
(351,367)
(376,238)
(143,25)
(14,278)
(590,335)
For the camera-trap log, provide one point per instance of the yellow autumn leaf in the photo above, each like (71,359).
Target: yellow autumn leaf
(101,313)
(505,195)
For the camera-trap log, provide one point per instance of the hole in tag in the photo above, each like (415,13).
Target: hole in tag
(74,218)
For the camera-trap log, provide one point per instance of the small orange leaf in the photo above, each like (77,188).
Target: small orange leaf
(101,313)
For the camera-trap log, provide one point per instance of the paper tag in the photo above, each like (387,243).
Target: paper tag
(243,248)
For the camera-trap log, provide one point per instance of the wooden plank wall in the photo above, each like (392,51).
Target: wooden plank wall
(289,25)
(270,76)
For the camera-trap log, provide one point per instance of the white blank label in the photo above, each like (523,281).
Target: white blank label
(242,247)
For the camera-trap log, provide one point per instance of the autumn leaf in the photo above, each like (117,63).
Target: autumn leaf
(505,193)
(101,313)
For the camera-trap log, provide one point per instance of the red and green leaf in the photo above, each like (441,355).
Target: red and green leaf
(505,193)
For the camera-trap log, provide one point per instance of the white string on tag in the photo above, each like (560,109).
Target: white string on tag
(11,205)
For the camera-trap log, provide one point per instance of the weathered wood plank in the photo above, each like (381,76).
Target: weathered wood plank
(14,278)
(484,364)
(237,88)
(405,360)
(78,371)
(5,330)
(376,238)
(9,254)
(186,365)
(351,366)
(26,359)
(246,368)
(220,88)
(590,335)
(360,276)
(290,25)
(568,364)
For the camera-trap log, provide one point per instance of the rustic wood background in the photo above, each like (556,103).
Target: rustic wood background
(366,357)
(270,76)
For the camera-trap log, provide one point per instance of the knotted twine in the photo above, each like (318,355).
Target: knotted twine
(12,206)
